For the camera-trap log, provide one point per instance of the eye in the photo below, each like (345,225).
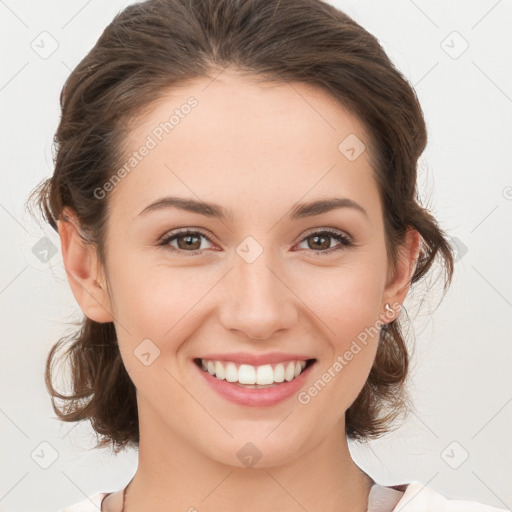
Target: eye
(187,241)
(320,241)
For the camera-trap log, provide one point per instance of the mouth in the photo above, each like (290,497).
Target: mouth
(255,377)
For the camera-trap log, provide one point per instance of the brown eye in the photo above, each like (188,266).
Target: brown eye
(186,241)
(320,242)
(189,242)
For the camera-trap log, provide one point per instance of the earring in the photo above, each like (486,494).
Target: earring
(390,315)
(390,312)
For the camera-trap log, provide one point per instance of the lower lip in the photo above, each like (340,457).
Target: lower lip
(264,397)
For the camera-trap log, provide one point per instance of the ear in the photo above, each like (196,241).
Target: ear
(83,269)
(397,288)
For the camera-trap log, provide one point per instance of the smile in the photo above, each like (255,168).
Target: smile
(254,375)
(262,385)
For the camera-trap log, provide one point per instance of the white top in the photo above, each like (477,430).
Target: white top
(413,497)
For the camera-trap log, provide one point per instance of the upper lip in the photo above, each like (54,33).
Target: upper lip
(256,359)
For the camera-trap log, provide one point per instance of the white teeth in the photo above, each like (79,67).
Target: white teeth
(231,372)
(219,371)
(264,374)
(246,374)
(279,373)
(289,373)
(250,375)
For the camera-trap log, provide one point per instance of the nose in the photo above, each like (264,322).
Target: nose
(258,301)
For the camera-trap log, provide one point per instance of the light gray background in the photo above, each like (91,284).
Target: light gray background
(461,376)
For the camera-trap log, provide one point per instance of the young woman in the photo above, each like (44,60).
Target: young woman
(235,193)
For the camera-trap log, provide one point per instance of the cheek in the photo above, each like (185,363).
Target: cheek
(137,287)
(347,305)
(347,299)
(156,301)
(163,303)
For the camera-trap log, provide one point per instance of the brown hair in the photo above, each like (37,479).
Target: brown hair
(155,45)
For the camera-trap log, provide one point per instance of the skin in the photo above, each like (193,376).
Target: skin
(257,149)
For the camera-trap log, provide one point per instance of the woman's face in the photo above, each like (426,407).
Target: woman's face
(246,287)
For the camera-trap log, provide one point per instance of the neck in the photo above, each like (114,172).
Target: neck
(172,476)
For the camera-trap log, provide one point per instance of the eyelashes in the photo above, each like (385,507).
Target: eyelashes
(325,234)
(319,237)
(183,233)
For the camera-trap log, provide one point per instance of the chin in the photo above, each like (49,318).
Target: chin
(257,449)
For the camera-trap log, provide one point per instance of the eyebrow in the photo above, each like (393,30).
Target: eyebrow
(299,211)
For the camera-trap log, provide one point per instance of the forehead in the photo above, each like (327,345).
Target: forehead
(243,142)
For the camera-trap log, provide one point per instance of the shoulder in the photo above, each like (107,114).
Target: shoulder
(418,498)
(91,504)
